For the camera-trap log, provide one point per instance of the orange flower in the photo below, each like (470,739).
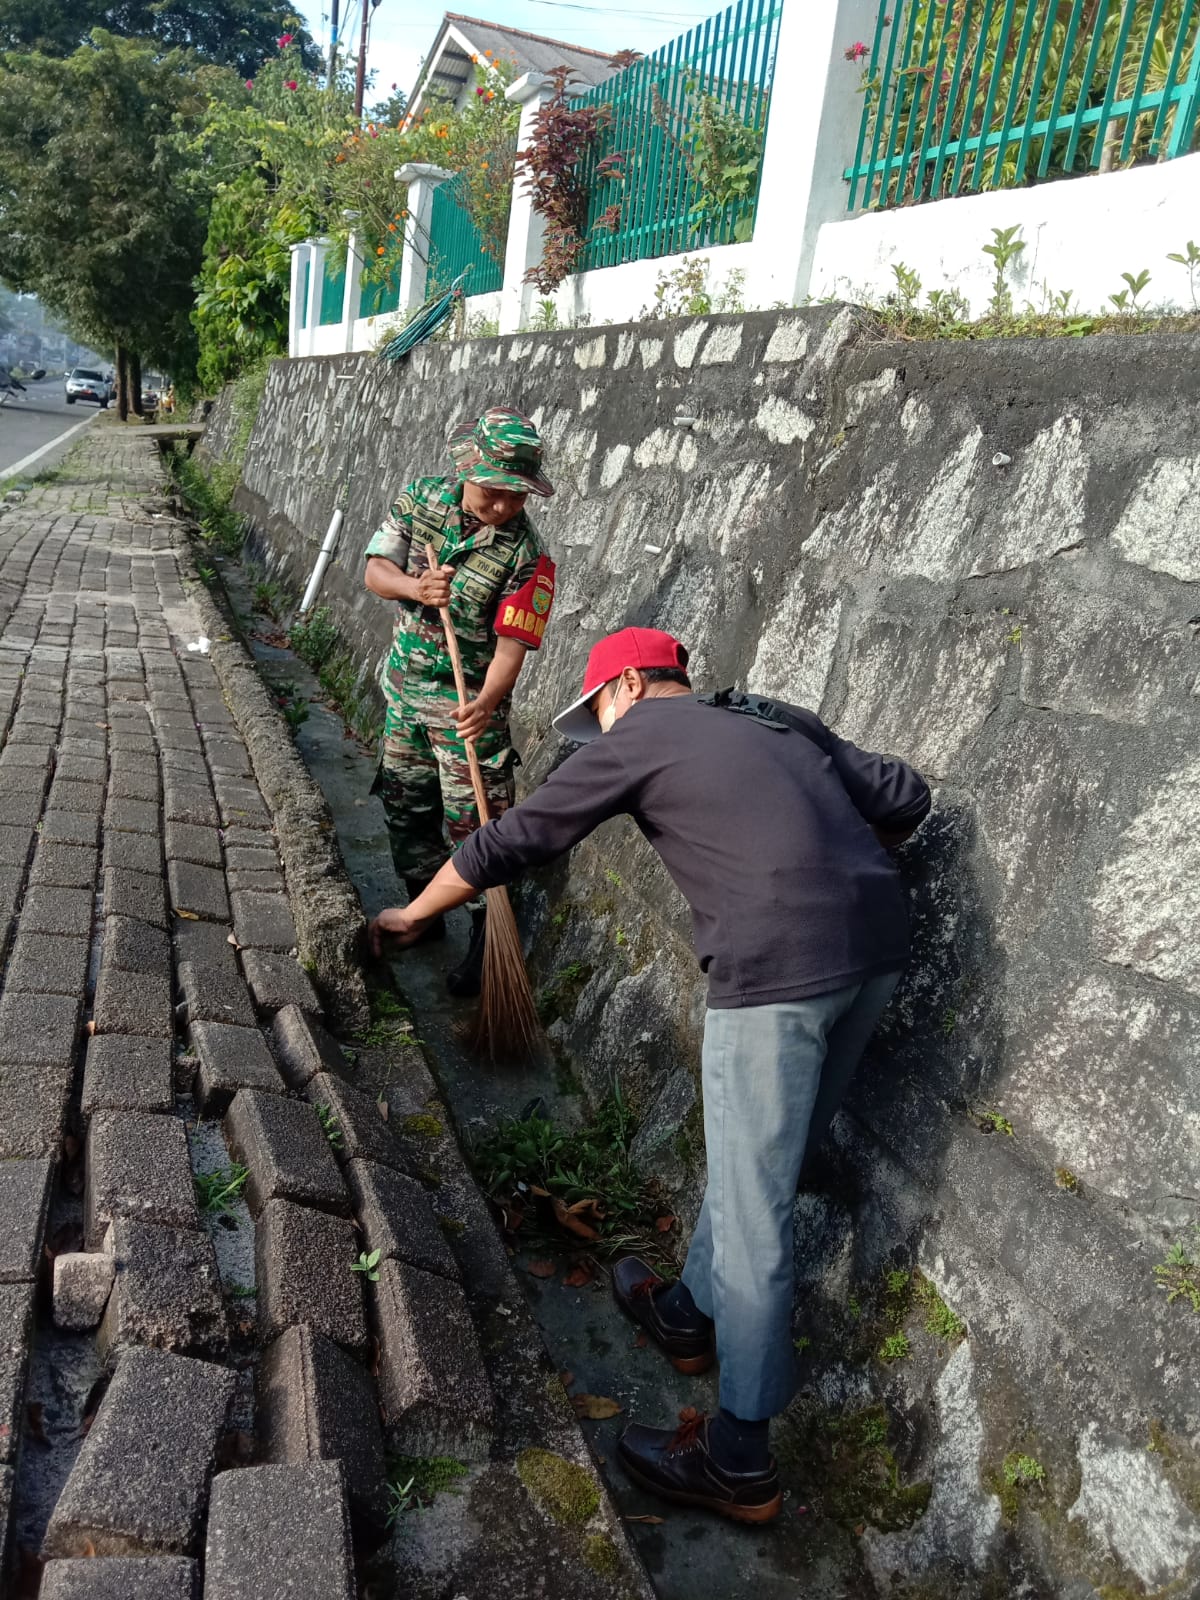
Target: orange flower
(404,213)
(488,54)
(483,166)
(474,60)
(491,94)
(380,251)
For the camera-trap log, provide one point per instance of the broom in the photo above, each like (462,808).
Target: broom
(506,1024)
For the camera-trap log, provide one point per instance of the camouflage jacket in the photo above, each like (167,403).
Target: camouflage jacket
(495,571)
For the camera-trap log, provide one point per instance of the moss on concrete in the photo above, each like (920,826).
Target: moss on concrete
(601,1555)
(569,1493)
(843,1463)
(422,1126)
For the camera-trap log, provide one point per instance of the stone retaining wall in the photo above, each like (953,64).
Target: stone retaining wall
(984,557)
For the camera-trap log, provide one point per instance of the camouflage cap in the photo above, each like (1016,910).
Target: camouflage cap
(503,449)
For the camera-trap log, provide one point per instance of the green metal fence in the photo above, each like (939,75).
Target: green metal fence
(677,163)
(456,245)
(333,294)
(304,288)
(379,294)
(987,94)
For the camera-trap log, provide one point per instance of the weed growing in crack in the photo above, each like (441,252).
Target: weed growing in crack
(415,1481)
(329,1126)
(216,1192)
(1179,1273)
(940,1320)
(895,1347)
(1021,1471)
(368,1265)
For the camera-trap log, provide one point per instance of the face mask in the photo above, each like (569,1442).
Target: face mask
(609,715)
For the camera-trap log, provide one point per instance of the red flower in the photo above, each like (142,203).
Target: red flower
(291,84)
(284,40)
(857,51)
(481,90)
(249,83)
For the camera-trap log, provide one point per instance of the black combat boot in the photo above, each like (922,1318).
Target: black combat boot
(437,927)
(466,979)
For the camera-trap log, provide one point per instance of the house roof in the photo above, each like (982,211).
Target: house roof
(447,67)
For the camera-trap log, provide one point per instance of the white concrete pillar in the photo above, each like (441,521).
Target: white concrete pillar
(812,128)
(319,248)
(525,227)
(422,179)
(353,289)
(298,299)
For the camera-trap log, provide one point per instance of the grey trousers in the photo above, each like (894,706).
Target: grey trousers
(774,1077)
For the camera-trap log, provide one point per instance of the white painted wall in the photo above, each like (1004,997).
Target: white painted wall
(1080,234)
(620,294)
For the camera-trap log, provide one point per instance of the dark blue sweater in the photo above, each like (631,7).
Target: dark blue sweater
(767,833)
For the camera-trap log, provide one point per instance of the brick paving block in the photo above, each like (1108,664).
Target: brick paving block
(131,816)
(198,889)
(182,737)
(81,769)
(231,1059)
(133,1002)
(90,744)
(83,1281)
(432,1379)
(216,994)
(64,866)
(270,882)
(136,895)
(248,839)
(252,858)
(16,1337)
(189,802)
(205,943)
(184,766)
(303,1048)
(278,980)
(123,1498)
(287,1152)
(38,1030)
(24,807)
(186,842)
(275,1533)
(127,785)
(127,1073)
(364,1132)
(28,755)
(316,1403)
(11,883)
(14,845)
(57,911)
(396,1218)
(122,1578)
(33,1104)
(228,756)
(133,946)
(166,1292)
(19,780)
(136,852)
(69,828)
(24,1206)
(87,798)
(303,1262)
(6,1509)
(263,921)
(137,1166)
(44,963)
(122,738)
(133,763)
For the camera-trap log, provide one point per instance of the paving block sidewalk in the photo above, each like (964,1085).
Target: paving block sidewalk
(155,1022)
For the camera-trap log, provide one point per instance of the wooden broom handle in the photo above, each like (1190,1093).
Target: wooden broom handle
(460,683)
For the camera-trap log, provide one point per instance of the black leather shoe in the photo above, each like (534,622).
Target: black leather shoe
(436,930)
(676,1464)
(635,1285)
(467,977)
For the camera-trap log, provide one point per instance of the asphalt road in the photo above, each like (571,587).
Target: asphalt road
(43,419)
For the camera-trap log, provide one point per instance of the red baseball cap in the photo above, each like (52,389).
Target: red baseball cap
(631,647)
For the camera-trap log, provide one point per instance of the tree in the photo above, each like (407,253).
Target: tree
(240,34)
(102,213)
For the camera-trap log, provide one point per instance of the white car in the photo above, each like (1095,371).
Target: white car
(83,384)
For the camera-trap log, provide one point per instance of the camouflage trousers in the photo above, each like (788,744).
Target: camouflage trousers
(424,782)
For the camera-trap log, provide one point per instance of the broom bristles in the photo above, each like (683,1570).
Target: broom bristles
(506,1025)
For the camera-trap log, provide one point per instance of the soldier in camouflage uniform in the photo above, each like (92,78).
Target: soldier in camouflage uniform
(495,577)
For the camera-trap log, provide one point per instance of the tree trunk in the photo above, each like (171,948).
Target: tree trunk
(135,383)
(122,383)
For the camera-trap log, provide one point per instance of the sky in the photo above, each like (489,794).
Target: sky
(402,31)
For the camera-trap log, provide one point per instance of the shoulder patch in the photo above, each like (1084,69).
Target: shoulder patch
(524,615)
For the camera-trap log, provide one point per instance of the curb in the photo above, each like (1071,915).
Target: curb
(330,925)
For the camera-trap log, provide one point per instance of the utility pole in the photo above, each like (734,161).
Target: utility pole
(360,77)
(333,43)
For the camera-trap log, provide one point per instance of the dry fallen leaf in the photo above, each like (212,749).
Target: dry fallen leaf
(571,1218)
(640,1342)
(652,1520)
(595,1407)
(90,1029)
(188,916)
(383,1108)
(541,1269)
(580,1275)
(664,1224)
(566,1378)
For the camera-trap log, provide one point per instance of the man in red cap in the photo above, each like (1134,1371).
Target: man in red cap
(777,834)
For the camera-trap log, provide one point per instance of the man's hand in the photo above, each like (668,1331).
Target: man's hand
(473,718)
(396,923)
(433,587)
